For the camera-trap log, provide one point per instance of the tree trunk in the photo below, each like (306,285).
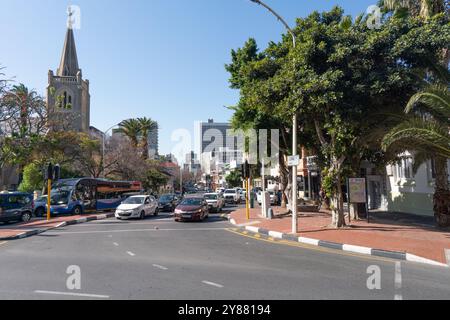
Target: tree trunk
(337,205)
(441,198)
(284,176)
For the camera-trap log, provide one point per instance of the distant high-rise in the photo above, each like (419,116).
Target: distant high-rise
(68,95)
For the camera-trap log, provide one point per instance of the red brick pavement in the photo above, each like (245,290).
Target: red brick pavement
(423,241)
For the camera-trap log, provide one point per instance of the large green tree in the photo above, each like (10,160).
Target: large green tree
(338,79)
(146,126)
(131,129)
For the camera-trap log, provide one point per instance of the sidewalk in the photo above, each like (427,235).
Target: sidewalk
(390,232)
(36,226)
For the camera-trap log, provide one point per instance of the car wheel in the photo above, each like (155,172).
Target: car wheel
(142,215)
(77,211)
(26,216)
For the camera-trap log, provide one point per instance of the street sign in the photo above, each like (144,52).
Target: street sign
(293,161)
(357,190)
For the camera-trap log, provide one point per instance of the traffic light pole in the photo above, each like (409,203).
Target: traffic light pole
(247,200)
(49,198)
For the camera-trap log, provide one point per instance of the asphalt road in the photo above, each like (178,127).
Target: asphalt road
(160,259)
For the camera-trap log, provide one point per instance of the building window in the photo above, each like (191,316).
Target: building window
(404,168)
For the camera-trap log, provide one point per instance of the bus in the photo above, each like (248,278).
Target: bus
(88,195)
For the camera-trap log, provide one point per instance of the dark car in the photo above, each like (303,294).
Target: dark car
(168,202)
(192,209)
(16,206)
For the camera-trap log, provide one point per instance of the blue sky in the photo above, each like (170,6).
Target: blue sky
(154,58)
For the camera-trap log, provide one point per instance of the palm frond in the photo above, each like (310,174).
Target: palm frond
(418,134)
(435,100)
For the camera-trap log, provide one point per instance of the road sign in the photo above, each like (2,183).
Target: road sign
(293,161)
(357,190)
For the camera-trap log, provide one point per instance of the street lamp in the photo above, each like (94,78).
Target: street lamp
(294,125)
(103,142)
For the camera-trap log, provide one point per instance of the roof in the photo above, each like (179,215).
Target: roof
(68,66)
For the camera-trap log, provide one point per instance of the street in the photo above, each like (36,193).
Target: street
(158,258)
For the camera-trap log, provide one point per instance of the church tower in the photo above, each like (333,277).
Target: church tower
(68,98)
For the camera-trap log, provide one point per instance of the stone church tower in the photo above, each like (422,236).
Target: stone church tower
(68,98)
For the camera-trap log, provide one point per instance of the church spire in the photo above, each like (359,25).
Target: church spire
(69,60)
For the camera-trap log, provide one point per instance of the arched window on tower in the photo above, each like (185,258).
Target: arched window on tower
(65,99)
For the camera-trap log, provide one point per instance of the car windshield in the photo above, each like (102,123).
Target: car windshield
(211,196)
(192,202)
(166,198)
(134,200)
(61,197)
(230,191)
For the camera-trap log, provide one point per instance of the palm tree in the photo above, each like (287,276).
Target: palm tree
(427,134)
(24,100)
(146,127)
(419,8)
(131,128)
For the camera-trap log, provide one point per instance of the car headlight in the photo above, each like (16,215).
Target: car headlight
(178,211)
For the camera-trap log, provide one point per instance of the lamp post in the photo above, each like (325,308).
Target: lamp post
(103,142)
(294,124)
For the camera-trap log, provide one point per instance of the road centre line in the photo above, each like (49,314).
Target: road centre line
(133,230)
(213,284)
(84,295)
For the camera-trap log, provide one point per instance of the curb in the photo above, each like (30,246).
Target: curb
(343,247)
(62,224)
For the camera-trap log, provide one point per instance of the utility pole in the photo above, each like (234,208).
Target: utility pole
(294,125)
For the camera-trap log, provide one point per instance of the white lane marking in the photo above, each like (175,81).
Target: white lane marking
(209,283)
(130,253)
(135,230)
(2,243)
(398,281)
(116,244)
(85,295)
(160,267)
(124,223)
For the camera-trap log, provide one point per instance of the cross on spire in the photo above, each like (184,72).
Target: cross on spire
(70,14)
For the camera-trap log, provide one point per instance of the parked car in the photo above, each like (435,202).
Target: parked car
(232,196)
(40,206)
(16,206)
(273,197)
(137,207)
(168,202)
(215,201)
(243,191)
(192,209)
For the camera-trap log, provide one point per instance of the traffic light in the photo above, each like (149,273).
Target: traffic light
(57,172)
(245,170)
(49,172)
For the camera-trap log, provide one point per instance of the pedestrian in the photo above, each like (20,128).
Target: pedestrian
(279,197)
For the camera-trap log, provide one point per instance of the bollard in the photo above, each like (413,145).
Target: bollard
(270,213)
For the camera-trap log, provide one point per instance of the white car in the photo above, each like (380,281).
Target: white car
(232,196)
(216,202)
(243,191)
(137,207)
(272,194)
